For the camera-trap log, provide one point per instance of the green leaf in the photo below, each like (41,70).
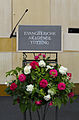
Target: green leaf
(71,100)
(58,102)
(22,107)
(75,97)
(47,58)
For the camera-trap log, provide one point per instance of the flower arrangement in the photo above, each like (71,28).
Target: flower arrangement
(39,83)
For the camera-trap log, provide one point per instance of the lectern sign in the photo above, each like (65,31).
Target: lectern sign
(37,38)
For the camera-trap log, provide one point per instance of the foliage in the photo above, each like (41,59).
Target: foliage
(39,83)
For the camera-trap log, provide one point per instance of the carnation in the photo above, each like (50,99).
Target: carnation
(36,57)
(44,55)
(22,77)
(30,88)
(61,86)
(13,86)
(43,83)
(27,69)
(34,64)
(63,70)
(38,102)
(69,76)
(51,92)
(50,104)
(47,97)
(71,94)
(42,63)
(53,72)
(49,67)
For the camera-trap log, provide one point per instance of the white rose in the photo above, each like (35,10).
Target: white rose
(30,88)
(49,67)
(27,69)
(42,63)
(63,70)
(47,97)
(51,92)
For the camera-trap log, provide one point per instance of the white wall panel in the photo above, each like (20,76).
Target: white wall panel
(5,18)
(5,66)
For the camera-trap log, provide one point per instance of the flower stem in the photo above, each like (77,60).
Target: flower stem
(30,114)
(44,112)
(56,113)
(25,115)
(38,114)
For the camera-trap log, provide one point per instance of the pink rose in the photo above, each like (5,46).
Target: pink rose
(61,86)
(71,94)
(22,77)
(34,64)
(38,102)
(50,104)
(53,72)
(69,75)
(43,83)
(36,57)
(44,55)
(13,86)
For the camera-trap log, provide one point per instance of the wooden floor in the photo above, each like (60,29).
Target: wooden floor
(3,87)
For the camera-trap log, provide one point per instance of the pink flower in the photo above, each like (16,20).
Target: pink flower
(13,86)
(50,104)
(34,64)
(61,86)
(69,75)
(71,94)
(38,102)
(44,55)
(39,54)
(53,72)
(43,83)
(36,57)
(22,77)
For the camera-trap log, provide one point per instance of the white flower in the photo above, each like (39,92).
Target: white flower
(27,69)
(30,88)
(47,97)
(51,92)
(63,70)
(49,67)
(42,63)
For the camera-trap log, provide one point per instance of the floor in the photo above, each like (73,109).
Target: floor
(12,112)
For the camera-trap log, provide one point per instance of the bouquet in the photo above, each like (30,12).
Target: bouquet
(40,83)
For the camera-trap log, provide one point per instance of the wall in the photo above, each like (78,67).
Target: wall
(53,12)
(5,18)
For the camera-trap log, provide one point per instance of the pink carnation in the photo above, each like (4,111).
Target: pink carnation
(69,75)
(39,54)
(44,55)
(36,57)
(13,86)
(50,104)
(61,86)
(22,77)
(43,83)
(38,102)
(34,64)
(53,72)
(71,94)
